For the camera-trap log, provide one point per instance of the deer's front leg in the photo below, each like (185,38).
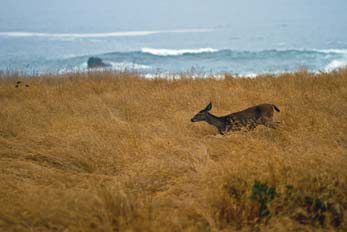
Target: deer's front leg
(268,122)
(221,131)
(226,128)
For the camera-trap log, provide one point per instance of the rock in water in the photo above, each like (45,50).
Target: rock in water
(96,62)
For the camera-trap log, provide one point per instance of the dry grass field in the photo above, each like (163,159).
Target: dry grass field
(116,152)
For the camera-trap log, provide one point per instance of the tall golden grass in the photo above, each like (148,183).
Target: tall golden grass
(117,152)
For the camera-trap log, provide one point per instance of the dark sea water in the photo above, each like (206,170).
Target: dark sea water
(250,48)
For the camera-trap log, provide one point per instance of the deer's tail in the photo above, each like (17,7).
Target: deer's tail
(275,107)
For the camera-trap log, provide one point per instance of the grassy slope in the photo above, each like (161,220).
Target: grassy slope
(114,152)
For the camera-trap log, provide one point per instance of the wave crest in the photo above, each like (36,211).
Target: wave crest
(335,64)
(176,52)
(98,35)
(335,51)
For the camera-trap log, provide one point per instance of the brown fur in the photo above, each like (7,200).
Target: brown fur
(253,116)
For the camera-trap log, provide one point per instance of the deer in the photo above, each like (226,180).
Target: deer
(249,118)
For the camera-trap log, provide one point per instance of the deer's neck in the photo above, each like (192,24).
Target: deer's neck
(215,121)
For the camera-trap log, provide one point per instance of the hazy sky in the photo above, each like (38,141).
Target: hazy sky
(91,15)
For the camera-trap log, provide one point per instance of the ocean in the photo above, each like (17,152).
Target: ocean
(244,50)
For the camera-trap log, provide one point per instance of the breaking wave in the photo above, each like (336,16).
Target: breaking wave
(177,52)
(336,51)
(200,61)
(115,66)
(335,64)
(99,35)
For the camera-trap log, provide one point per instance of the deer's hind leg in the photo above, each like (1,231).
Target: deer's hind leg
(251,124)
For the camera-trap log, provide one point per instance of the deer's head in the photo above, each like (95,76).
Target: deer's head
(202,115)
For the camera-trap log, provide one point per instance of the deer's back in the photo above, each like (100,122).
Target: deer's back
(254,112)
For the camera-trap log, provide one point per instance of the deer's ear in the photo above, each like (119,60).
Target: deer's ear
(209,107)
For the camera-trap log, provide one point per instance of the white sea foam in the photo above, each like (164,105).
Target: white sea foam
(176,52)
(115,66)
(335,64)
(172,76)
(167,76)
(336,51)
(121,66)
(77,35)
(99,35)
(249,75)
